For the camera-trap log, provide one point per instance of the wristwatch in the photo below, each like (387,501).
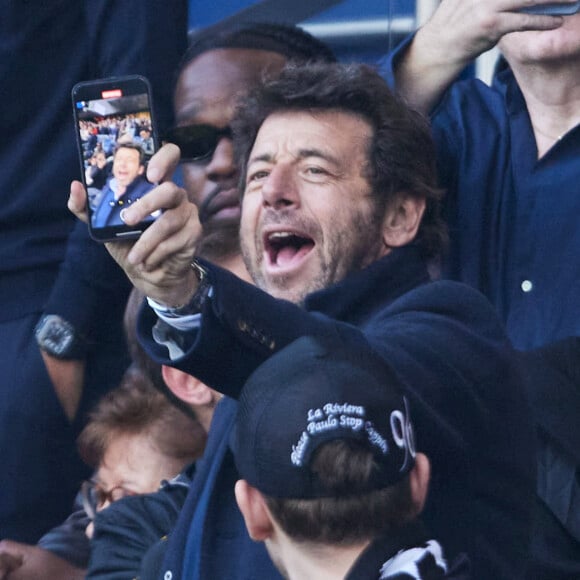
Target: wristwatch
(196,302)
(58,338)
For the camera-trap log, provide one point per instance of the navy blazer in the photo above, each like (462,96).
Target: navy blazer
(219,546)
(470,410)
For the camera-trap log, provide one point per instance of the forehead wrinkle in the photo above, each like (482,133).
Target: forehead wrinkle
(302,154)
(313,152)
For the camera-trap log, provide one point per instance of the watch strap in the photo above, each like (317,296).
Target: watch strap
(195,304)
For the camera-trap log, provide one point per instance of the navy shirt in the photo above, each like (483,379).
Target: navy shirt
(513,219)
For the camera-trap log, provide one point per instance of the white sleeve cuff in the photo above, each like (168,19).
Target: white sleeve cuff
(181,323)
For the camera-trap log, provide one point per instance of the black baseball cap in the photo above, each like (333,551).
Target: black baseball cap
(313,391)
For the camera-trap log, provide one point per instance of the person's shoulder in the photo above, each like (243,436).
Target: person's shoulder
(450,320)
(447,298)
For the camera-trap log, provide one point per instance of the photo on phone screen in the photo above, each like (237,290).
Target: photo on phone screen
(116,137)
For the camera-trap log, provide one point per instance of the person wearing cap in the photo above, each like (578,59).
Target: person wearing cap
(340,229)
(331,481)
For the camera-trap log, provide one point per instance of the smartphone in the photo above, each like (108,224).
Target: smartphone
(116,137)
(553,9)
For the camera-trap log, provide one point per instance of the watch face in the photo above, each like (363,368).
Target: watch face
(55,335)
(58,339)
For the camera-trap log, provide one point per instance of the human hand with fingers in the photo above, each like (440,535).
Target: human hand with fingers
(463,29)
(458,32)
(20,561)
(10,560)
(159,262)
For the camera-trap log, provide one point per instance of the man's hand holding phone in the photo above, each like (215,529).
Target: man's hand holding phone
(159,261)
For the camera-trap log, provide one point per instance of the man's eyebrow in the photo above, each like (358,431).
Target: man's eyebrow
(302,154)
(267,157)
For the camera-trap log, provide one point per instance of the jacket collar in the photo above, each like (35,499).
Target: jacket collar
(384,547)
(358,296)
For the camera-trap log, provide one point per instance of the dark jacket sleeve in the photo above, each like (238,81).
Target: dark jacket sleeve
(127,529)
(444,340)
(242,321)
(553,383)
(69,540)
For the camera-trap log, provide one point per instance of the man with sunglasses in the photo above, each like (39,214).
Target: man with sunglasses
(216,70)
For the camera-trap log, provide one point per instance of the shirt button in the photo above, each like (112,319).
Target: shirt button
(527,286)
(168,575)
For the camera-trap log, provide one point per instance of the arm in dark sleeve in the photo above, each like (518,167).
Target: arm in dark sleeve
(447,344)
(241,327)
(553,383)
(126,530)
(91,290)
(69,540)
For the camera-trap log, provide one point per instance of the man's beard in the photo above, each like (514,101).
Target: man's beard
(340,259)
(220,240)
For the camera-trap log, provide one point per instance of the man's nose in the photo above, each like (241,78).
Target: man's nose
(280,188)
(222,163)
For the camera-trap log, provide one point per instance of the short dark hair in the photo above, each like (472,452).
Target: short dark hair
(350,516)
(401,154)
(133,146)
(290,41)
(137,407)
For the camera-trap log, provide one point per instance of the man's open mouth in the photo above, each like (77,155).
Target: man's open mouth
(286,248)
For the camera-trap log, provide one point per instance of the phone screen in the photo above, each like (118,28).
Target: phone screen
(116,137)
(553,9)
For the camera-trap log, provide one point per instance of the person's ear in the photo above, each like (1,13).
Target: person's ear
(186,387)
(419,482)
(254,510)
(402,220)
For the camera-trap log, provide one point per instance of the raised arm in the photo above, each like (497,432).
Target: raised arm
(458,32)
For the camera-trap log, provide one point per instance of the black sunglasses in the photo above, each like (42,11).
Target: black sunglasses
(197,142)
